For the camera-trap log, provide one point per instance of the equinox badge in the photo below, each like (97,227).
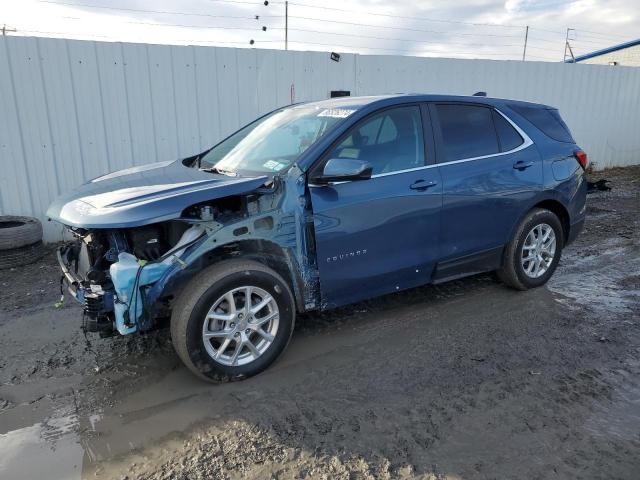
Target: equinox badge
(345,256)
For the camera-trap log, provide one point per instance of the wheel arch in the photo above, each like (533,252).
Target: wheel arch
(554,206)
(560,211)
(266,252)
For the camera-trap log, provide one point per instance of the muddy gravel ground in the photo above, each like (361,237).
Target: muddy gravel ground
(464,380)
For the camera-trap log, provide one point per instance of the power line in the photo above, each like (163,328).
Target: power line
(592,42)
(66,34)
(396,28)
(591,33)
(388,15)
(546,40)
(241,2)
(557,32)
(426,19)
(138,10)
(438,20)
(602,42)
(215,27)
(395,39)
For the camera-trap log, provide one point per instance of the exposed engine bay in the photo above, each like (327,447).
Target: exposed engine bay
(110,271)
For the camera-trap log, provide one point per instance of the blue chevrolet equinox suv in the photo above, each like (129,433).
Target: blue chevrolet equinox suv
(318,205)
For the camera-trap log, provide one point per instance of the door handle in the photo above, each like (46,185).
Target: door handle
(520,165)
(422,185)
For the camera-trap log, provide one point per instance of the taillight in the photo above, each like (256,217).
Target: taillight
(582,159)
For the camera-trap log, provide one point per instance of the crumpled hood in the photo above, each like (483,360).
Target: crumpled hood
(142,195)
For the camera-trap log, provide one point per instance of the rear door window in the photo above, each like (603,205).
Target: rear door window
(467,131)
(508,136)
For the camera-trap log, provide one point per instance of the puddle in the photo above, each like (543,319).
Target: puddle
(597,279)
(49,449)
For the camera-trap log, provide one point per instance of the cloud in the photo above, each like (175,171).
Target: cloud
(472,28)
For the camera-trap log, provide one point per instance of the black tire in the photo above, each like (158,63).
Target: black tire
(17,257)
(197,297)
(16,232)
(512,272)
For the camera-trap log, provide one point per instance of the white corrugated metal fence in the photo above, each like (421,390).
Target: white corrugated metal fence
(72,110)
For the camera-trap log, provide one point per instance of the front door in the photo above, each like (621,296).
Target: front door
(379,235)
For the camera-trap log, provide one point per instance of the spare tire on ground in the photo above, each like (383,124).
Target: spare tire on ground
(16,232)
(20,241)
(16,257)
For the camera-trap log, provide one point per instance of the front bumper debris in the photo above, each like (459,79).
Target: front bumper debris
(73,282)
(97,303)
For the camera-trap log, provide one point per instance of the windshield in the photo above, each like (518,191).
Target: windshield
(274,142)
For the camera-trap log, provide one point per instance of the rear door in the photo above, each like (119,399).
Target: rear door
(490,171)
(379,235)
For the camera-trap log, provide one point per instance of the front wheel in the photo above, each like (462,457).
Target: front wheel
(232,320)
(533,253)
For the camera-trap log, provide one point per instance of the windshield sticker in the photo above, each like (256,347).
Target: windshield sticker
(336,113)
(274,166)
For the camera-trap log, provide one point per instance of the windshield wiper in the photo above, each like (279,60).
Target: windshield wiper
(228,173)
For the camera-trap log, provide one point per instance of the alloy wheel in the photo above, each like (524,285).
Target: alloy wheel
(240,326)
(538,250)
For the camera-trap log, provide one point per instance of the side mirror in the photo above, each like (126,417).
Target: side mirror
(344,169)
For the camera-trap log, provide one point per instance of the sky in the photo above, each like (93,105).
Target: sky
(435,28)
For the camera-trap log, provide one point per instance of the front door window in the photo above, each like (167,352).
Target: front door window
(390,141)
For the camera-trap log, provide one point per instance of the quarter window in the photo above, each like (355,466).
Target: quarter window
(390,141)
(508,136)
(548,120)
(467,131)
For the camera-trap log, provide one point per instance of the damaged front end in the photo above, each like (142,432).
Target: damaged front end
(110,272)
(139,234)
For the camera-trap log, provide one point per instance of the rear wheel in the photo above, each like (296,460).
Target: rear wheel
(533,254)
(232,320)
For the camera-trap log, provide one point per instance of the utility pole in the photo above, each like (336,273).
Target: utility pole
(286,25)
(5,30)
(526,36)
(566,45)
(573,58)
